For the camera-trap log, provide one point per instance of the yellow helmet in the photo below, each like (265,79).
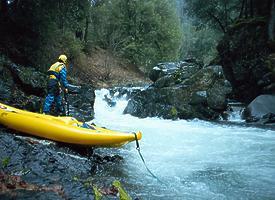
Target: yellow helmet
(62,58)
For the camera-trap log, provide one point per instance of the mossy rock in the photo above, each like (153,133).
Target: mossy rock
(270,61)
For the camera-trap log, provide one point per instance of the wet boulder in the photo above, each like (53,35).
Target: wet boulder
(163,69)
(261,109)
(199,97)
(81,104)
(181,70)
(151,103)
(165,81)
(29,79)
(41,166)
(5,92)
(126,92)
(203,95)
(217,95)
(26,102)
(109,101)
(19,87)
(6,83)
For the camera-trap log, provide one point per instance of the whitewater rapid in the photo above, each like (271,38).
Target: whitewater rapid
(195,159)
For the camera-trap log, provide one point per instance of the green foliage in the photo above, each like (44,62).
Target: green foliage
(122,193)
(75,178)
(97,193)
(203,25)
(173,112)
(38,31)
(205,22)
(145,32)
(216,13)
(199,43)
(6,162)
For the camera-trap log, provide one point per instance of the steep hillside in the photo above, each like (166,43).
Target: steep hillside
(103,69)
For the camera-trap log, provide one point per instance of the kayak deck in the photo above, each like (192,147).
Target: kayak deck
(62,129)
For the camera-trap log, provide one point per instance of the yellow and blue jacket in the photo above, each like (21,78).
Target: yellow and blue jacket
(58,72)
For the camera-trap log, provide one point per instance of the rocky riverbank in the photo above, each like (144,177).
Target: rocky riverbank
(25,88)
(32,168)
(183,90)
(246,53)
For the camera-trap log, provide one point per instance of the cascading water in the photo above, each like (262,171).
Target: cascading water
(195,159)
(236,112)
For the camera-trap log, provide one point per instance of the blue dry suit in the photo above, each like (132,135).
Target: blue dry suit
(57,77)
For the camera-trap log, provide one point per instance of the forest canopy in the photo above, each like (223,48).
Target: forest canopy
(35,32)
(204,23)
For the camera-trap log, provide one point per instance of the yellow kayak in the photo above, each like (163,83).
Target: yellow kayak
(62,129)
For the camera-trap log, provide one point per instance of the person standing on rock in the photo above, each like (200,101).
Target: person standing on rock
(57,79)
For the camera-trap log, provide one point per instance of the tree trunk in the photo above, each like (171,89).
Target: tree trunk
(251,9)
(271,23)
(223,28)
(86,28)
(61,18)
(246,9)
(226,14)
(242,9)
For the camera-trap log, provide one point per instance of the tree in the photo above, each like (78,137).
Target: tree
(219,14)
(37,31)
(145,32)
(208,21)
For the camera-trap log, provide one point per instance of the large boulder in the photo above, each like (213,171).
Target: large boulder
(81,104)
(261,109)
(183,69)
(7,84)
(162,69)
(30,80)
(202,95)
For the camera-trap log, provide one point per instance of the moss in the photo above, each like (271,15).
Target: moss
(97,193)
(122,193)
(270,62)
(174,112)
(5,162)
(75,178)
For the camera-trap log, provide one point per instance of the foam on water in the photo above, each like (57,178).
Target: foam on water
(197,159)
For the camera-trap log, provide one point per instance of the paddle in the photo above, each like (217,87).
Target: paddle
(67,110)
(72,89)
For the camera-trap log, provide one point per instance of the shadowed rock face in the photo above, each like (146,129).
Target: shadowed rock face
(186,92)
(261,110)
(41,165)
(82,103)
(64,171)
(25,88)
(262,105)
(186,67)
(246,56)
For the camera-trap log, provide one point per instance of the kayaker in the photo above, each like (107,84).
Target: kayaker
(57,80)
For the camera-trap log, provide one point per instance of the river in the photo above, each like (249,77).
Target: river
(194,159)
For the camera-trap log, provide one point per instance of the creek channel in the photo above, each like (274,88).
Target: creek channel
(193,159)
